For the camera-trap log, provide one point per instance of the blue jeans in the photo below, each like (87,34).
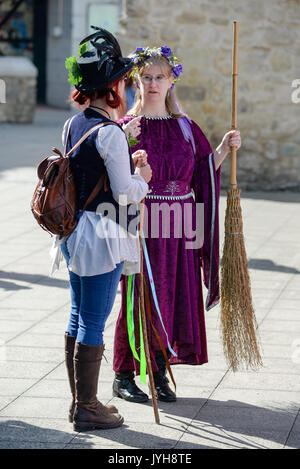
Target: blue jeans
(92,299)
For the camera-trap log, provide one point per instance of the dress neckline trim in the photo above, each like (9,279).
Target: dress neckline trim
(153,118)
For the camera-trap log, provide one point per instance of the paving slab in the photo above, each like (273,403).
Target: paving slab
(26,370)
(58,389)
(15,387)
(13,353)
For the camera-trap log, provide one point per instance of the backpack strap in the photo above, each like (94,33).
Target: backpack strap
(67,136)
(88,133)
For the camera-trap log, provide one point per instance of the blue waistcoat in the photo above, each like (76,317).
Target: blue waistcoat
(87,165)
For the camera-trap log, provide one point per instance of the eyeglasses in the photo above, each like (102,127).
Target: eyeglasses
(147,79)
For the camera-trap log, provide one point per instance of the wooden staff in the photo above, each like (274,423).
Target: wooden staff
(143,316)
(238,321)
(233,181)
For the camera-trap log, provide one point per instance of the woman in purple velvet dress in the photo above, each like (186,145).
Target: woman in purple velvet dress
(185,175)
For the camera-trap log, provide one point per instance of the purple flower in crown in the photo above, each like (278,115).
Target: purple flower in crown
(139,49)
(177,70)
(166,51)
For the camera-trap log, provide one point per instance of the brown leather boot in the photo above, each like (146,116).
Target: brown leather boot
(69,356)
(89,413)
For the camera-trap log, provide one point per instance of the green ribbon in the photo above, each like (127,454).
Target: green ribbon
(130,328)
(130,320)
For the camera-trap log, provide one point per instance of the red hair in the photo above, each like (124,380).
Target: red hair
(81,98)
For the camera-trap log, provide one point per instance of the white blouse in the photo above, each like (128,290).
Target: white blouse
(98,244)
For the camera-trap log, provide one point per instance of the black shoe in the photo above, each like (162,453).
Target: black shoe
(163,391)
(124,387)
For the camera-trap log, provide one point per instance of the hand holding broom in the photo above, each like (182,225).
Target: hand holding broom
(230,139)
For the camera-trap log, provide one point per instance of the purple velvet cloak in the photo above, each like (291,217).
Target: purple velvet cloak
(176,270)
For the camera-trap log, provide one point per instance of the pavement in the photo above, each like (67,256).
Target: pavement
(216,408)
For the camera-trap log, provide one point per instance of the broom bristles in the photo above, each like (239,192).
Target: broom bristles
(238,322)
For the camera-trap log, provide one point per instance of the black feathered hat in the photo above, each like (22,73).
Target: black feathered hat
(100,62)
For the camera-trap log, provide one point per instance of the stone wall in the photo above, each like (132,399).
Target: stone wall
(269,49)
(18,78)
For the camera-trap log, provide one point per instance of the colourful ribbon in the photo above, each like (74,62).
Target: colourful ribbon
(154,293)
(130,319)
(130,327)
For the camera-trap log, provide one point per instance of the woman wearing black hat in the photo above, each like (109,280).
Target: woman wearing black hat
(101,247)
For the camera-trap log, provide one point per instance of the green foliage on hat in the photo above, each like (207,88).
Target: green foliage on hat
(72,66)
(83,48)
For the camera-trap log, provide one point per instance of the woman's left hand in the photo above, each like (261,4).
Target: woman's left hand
(231,139)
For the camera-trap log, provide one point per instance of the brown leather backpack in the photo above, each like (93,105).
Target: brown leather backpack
(54,200)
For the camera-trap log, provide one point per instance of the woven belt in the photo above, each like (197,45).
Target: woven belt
(170,197)
(169,190)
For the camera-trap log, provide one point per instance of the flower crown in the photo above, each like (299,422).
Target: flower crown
(141,54)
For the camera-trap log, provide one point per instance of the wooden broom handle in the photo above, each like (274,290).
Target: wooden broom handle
(233,181)
(144,321)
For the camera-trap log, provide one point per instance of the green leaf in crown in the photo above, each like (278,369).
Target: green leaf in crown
(74,70)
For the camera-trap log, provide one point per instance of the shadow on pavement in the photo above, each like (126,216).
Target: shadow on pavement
(28,278)
(11,286)
(266,264)
(20,434)
(215,420)
(228,423)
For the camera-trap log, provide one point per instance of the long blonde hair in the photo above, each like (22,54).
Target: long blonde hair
(171,102)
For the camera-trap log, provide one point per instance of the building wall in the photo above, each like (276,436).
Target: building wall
(58,48)
(269,47)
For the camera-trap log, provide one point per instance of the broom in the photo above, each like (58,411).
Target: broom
(238,322)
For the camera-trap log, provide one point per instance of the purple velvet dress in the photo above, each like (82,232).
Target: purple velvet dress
(176,170)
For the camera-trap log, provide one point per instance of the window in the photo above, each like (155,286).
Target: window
(105,15)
